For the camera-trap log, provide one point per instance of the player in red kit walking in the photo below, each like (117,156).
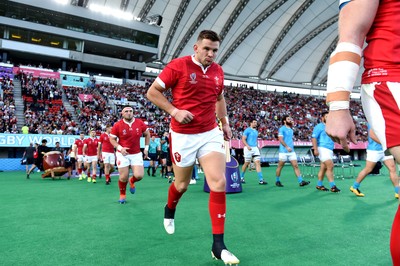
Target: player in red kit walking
(106,150)
(91,154)
(375,22)
(125,137)
(77,149)
(197,86)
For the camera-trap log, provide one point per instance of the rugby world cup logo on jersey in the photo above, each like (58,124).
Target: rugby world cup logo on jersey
(193,78)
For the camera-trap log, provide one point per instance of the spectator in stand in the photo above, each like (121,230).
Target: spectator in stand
(25,129)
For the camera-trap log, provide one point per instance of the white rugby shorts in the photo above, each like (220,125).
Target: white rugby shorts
(287,156)
(108,157)
(90,159)
(130,159)
(381,101)
(376,156)
(325,154)
(185,148)
(254,153)
(80,158)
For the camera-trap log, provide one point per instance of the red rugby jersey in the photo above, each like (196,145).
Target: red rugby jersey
(382,54)
(105,143)
(91,146)
(194,89)
(79,145)
(129,134)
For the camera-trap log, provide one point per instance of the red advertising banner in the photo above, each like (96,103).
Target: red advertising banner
(86,97)
(37,72)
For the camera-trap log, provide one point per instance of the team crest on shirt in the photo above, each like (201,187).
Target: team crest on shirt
(216,80)
(193,78)
(177,157)
(124,132)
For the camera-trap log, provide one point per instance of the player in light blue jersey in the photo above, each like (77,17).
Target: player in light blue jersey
(375,153)
(323,148)
(286,152)
(251,151)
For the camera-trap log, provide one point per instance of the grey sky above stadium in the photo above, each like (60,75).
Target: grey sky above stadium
(284,40)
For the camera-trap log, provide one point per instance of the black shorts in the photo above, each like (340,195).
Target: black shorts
(164,155)
(153,156)
(169,161)
(68,164)
(29,160)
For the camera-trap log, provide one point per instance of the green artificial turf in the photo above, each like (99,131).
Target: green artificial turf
(71,222)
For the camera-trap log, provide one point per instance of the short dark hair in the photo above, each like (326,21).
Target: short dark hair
(209,35)
(126,106)
(44,141)
(284,119)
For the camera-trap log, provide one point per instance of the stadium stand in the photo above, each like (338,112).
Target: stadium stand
(43,107)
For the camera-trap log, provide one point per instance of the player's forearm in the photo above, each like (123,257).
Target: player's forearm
(158,98)
(283,143)
(314,143)
(114,143)
(221,112)
(345,60)
(147,139)
(245,142)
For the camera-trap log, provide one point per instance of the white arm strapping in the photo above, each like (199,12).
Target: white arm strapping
(342,74)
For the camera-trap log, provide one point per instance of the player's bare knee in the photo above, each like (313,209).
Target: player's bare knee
(181,188)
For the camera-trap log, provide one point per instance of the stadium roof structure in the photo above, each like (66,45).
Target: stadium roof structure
(287,41)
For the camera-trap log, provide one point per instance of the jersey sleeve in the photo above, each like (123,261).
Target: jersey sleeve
(316,132)
(280,132)
(246,133)
(169,75)
(114,130)
(144,127)
(222,80)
